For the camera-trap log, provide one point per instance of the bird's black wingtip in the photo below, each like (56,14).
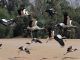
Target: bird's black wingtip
(60,41)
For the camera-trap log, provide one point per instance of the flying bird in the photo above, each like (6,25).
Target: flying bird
(6,22)
(22,48)
(50,12)
(36,40)
(27,51)
(59,39)
(70,49)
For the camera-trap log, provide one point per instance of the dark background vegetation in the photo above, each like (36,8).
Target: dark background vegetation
(9,11)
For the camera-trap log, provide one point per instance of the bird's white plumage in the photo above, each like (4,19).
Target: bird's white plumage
(25,12)
(53,33)
(70,22)
(62,24)
(59,36)
(35,27)
(4,20)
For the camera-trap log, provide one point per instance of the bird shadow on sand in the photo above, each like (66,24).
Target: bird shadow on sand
(55,57)
(43,58)
(11,58)
(69,58)
(15,58)
(48,58)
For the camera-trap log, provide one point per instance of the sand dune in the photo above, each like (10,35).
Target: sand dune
(45,51)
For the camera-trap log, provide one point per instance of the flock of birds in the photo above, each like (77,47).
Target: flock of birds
(60,41)
(26,49)
(57,37)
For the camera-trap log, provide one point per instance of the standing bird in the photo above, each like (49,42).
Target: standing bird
(22,48)
(36,40)
(59,39)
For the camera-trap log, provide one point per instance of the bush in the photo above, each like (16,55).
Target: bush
(2,31)
(4,13)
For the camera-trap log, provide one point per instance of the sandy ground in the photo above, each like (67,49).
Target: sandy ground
(45,51)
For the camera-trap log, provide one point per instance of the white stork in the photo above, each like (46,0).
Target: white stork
(34,26)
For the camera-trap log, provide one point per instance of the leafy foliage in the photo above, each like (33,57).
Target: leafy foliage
(60,6)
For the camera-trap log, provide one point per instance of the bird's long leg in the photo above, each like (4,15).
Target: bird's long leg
(69,51)
(47,41)
(19,52)
(66,53)
(31,34)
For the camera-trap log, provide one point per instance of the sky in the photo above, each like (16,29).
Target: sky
(73,3)
(32,2)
